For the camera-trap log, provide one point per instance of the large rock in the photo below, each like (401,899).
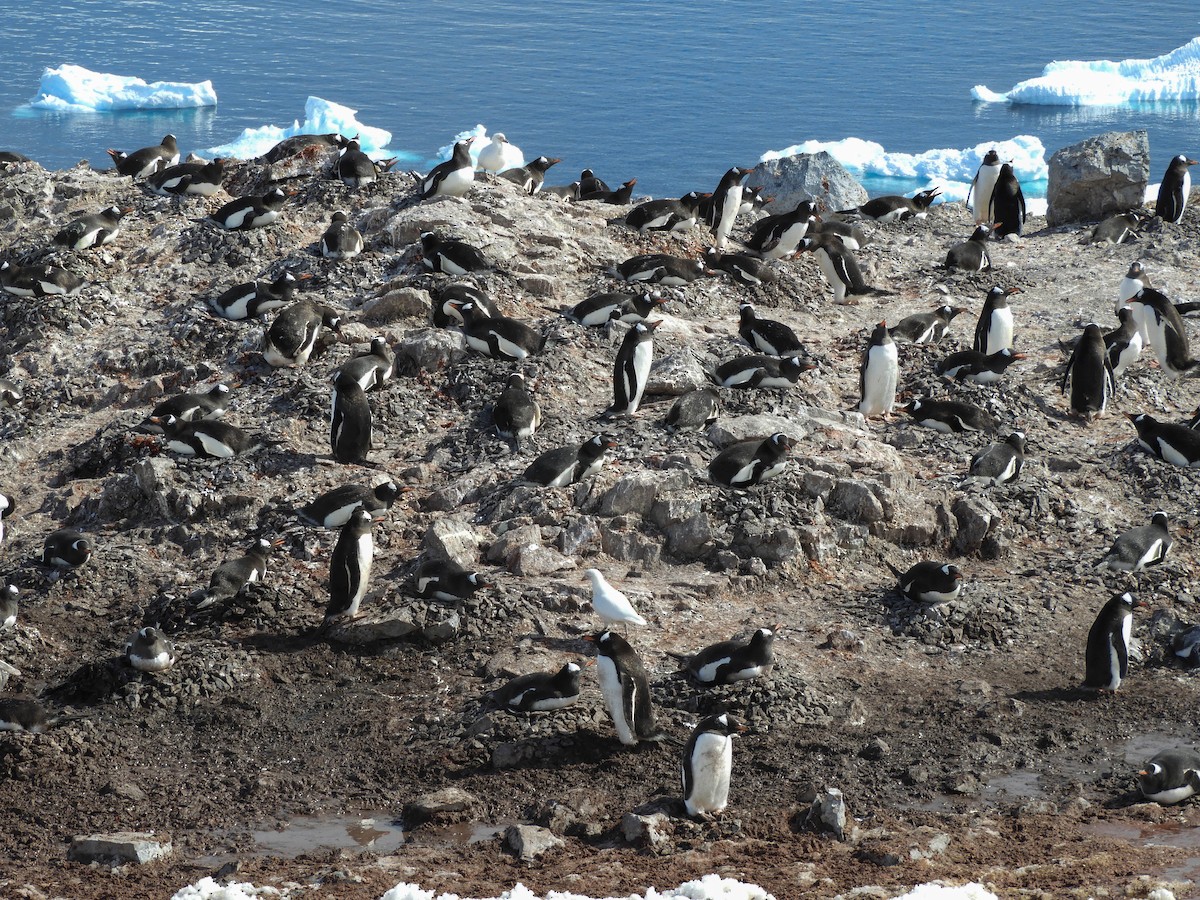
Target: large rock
(1098,177)
(531,842)
(118,848)
(808,176)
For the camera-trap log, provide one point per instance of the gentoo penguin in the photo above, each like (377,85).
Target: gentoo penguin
(1090,375)
(333,509)
(661,268)
(994,330)
(756,370)
(744,268)
(1171,776)
(445,580)
(447,300)
(231,576)
(1175,190)
(531,176)
(708,765)
(1116,229)
(245,213)
(1167,335)
(998,463)
(355,169)
(95,230)
(721,209)
(838,265)
(752,462)
(205,438)
(666,215)
(620,197)
(290,146)
(148,160)
(1124,343)
(515,413)
(1007,208)
(727,662)
(851,236)
(1133,550)
(600,309)
(372,369)
(10,393)
(894,208)
(929,582)
(589,183)
(39,281)
(767,335)
(341,240)
(17,714)
(453,178)
(498,336)
(9,606)
(11,156)
(252,299)
(190,407)
(451,257)
(1135,279)
(149,651)
(947,416)
(193,179)
(6,510)
(694,410)
(499,155)
(292,337)
(540,691)
(778,236)
(1176,444)
(925,328)
(626,689)
(567,192)
(631,368)
(349,421)
(612,606)
(350,568)
(754,200)
(982,185)
(567,465)
(878,374)
(976,367)
(972,254)
(1107,655)
(66,548)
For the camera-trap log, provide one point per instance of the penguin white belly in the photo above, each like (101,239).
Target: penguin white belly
(1172,795)
(745,674)
(546,704)
(772,470)
(595,467)
(614,699)
(366,550)
(1173,456)
(788,241)
(712,763)
(937,425)
(202,188)
(879,380)
(457,183)
(276,358)
(563,478)
(264,218)
(894,215)
(214,447)
(1114,667)
(236,219)
(1128,356)
(643,355)
(1009,471)
(155,663)
(656,222)
(708,673)
(181,447)
(744,475)
(926,336)
(829,270)
(1000,332)
(1153,552)
(237,308)
(50,287)
(939,597)
(340,516)
(9,622)
(729,211)
(1185,191)
(509,349)
(741,377)
(1156,327)
(1139,312)
(981,195)
(449,266)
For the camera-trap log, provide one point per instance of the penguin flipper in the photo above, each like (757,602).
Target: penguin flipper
(895,571)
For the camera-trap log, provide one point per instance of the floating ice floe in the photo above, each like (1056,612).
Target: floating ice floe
(320,117)
(76,89)
(1171,77)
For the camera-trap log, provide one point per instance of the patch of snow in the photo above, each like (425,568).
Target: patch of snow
(320,117)
(76,89)
(208,889)
(710,887)
(970,891)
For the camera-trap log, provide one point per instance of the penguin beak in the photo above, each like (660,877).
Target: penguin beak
(1014,290)
(278,542)
(1019,356)
(591,660)
(654,324)
(304,277)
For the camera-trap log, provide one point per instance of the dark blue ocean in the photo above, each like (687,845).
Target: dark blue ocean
(672,93)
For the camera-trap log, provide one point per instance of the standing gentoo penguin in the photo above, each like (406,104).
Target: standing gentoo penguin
(767,335)
(925,328)
(341,240)
(722,207)
(1164,327)
(1090,375)
(1176,444)
(694,410)
(499,155)
(451,257)
(708,764)
(9,606)
(190,407)
(1007,208)
(994,330)
(372,369)
(231,576)
(878,374)
(150,651)
(567,465)
(195,179)
(39,281)
(778,236)
(349,422)
(95,230)
(148,160)
(838,265)
(947,416)
(1171,776)
(894,208)
(531,176)
(447,581)
(929,582)
(350,568)
(972,254)
(727,662)
(982,185)
(245,213)
(205,438)
(516,414)
(1124,343)
(745,268)
(66,549)
(1175,189)
(540,691)
(252,299)
(666,215)
(611,605)
(453,178)
(998,463)
(1107,656)
(1133,550)
(752,462)
(334,508)
(292,337)
(976,367)
(631,370)
(498,336)
(756,370)
(1135,279)
(626,689)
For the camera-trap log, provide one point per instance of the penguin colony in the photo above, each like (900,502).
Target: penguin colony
(746,249)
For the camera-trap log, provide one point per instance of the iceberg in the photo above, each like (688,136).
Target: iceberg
(1171,77)
(76,89)
(320,117)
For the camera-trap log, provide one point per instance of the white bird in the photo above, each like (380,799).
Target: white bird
(500,155)
(610,604)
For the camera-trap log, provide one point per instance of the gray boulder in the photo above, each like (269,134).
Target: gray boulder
(808,176)
(1098,177)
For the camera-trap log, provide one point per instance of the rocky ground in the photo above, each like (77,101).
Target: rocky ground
(960,739)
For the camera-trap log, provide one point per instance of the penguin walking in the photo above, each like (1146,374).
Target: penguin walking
(231,576)
(721,209)
(632,368)
(447,581)
(929,582)
(350,422)
(972,254)
(531,176)
(150,651)
(540,691)
(994,330)
(333,508)
(693,410)
(1106,661)
(39,281)
(1167,335)
(341,240)
(188,179)
(1170,777)
(626,689)
(1007,208)
(292,337)
(667,214)
(878,374)
(839,267)
(998,463)
(350,568)
(752,462)
(708,765)
(567,465)
(453,178)
(1170,442)
(148,160)
(727,662)
(252,299)
(66,549)
(1175,190)
(1090,375)
(767,335)
(245,213)
(775,237)
(612,606)
(756,370)
(190,407)
(979,194)
(744,268)
(1137,548)
(516,414)
(925,328)
(451,257)
(976,367)
(949,416)
(372,369)
(205,438)
(95,230)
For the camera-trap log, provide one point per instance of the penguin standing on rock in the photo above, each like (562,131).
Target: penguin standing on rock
(341,240)
(1171,776)
(350,568)
(1124,343)
(1007,208)
(453,178)
(567,465)
(982,185)
(540,691)
(775,237)
(626,689)
(1090,375)
(972,254)
(878,374)
(250,212)
(516,414)
(1135,279)
(1170,442)
(292,337)
(708,765)
(839,267)
(631,370)
(1106,661)
(95,230)
(752,462)
(721,209)
(994,330)
(356,169)
(1175,190)
(350,422)
(373,369)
